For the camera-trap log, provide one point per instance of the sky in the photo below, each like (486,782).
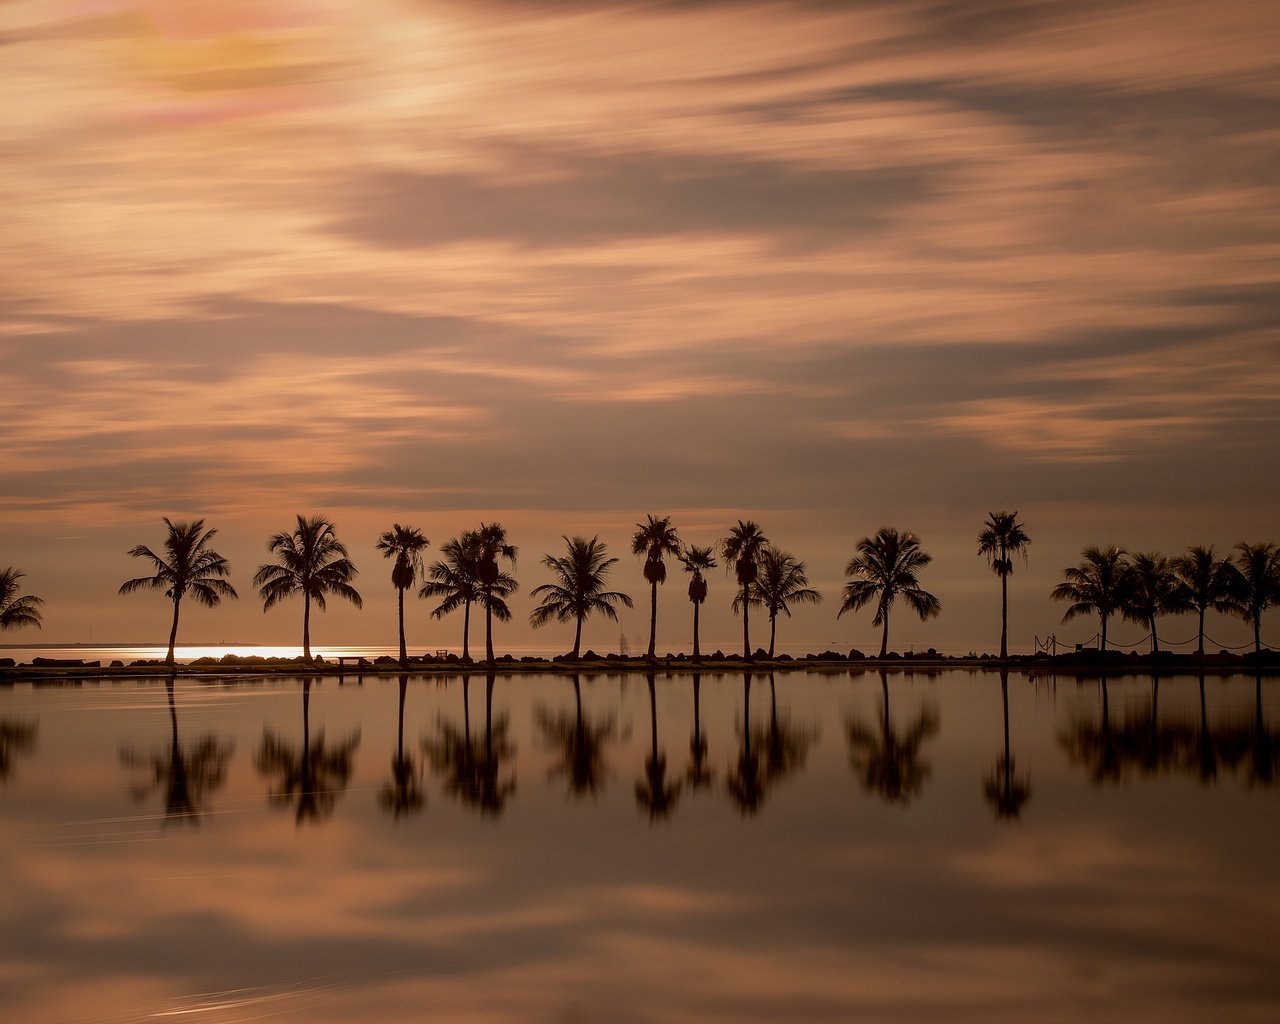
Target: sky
(829,266)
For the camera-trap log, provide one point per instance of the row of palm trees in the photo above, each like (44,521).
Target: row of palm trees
(1142,587)
(475,570)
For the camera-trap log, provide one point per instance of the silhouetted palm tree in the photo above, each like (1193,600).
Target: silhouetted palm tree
(456,580)
(1257,586)
(495,585)
(402,795)
(886,567)
(189,566)
(779,583)
(579,590)
(185,775)
(313,563)
(654,793)
(1004,791)
(17,610)
(742,550)
(1208,581)
(888,764)
(1154,590)
(579,742)
(654,539)
(405,545)
(697,561)
(1099,585)
(1002,538)
(309,779)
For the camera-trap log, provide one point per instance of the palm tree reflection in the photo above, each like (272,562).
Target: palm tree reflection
(16,737)
(186,776)
(745,782)
(699,774)
(580,743)
(402,795)
(1004,791)
(887,762)
(473,772)
(786,745)
(309,779)
(1263,748)
(654,793)
(1094,746)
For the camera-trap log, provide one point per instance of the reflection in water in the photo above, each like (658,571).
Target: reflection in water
(402,794)
(580,743)
(1179,744)
(768,753)
(474,772)
(311,778)
(654,793)
(886,762)
(16,737)
(699,774)
(745,781)
(1004,791)
(185,775)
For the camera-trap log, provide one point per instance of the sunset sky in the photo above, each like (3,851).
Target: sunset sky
(830,266)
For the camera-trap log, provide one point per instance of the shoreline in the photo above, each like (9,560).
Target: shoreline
(1082,663)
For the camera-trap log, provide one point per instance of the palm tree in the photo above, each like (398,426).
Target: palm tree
(742,550)
(17,611)
(697,561)
(653,539)
(1257,585)
(1154,590)
(189,566)
(780,582)
(313,563)
(1001,538)
(1097,586)
(495,585)
(455,579)
(578,743)
(1208,581)
(887,567)
(579,589)
(404,544)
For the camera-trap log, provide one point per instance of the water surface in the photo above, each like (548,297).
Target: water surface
(806,846)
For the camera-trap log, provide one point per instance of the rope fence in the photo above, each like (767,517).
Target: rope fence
(1051,643)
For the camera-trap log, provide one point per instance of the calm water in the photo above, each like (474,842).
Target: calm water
(536,850)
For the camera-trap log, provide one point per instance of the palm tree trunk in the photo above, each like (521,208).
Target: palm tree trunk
(884,637)
(1200,634)
(488,631)
(306,626)
(466,630)
(1155,641)
(773,631)
(746,631)
(697,652)
(173,631)
(653,618)
(1102,637)
(404,657)
(1004,613)
(1257,632)
(577,639)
